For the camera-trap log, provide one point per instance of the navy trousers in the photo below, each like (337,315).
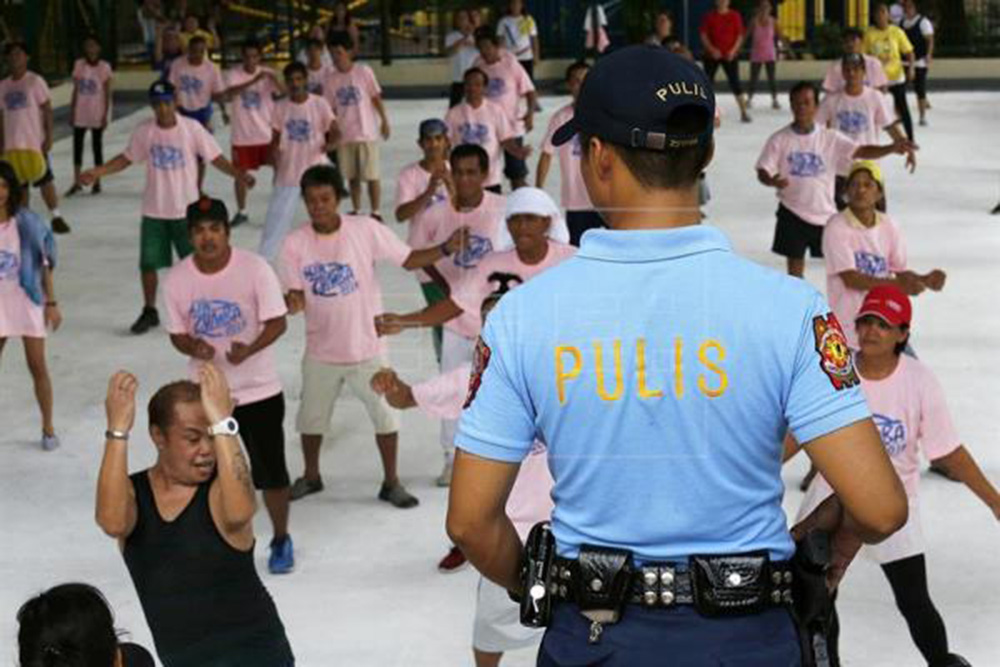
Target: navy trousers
(676,637)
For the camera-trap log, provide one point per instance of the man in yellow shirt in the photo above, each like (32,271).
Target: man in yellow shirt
(892,47)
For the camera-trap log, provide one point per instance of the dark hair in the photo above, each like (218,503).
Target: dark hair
(578,65)
(853,33)
(15,190)
(250,44)
(313,43)
(161,406)
(901,346)
(67,626)
(340,38)
(480,72)
(292,68)
(15,44)
(804,85)
(671,169)
(197,39)
(465,151)
(90,37)
(484,32)
(321,175)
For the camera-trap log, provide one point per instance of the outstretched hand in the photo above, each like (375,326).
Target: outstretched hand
(389,324)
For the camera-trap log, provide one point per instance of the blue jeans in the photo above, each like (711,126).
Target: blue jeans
(676,637)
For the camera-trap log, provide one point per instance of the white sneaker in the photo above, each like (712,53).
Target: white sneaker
(50,442)
(444,479)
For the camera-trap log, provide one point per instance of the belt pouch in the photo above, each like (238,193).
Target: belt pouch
(734,585)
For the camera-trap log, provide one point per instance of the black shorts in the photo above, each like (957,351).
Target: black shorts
(263,433)
(793,236)
(580,221)
(920,82)
(514,168)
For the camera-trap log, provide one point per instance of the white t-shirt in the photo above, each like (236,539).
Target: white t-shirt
(517,32)
(463,58)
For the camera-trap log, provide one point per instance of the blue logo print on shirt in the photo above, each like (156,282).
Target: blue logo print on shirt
(191,85)
(330,279)
(298,129)
(216,318)
(315,87)
(871,264)
(166,157)
(87,87)
(9,265)
(250,99)
(496,88)
(852,122)
(15,100)
(893,432)
(477,248)
(473,133)
(348,96)
(805,164)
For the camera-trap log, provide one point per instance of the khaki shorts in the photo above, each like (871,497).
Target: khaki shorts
(321,386)
(359,161)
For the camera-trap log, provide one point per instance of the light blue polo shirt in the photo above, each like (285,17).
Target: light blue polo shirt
(662,370)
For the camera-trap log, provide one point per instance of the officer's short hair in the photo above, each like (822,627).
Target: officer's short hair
(671,169)
(463,151)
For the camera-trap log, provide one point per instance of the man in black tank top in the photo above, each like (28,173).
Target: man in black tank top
(185,527)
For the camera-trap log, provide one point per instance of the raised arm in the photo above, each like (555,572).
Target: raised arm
(116,510)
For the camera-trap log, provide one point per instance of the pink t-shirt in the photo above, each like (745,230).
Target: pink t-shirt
(195,84)
(484,126)
(508,84)
(874,75)
(171,157)
(412,182)
(848,245)
(336,272)
(530,499)
(763,49)
(811,163)
(252,109)
(91,102)
(470,294)
(573,193)
(861,117)
(22,115)
(316,78)
(911,414)
(19,315)
(350,94)
(440,221)
(303,129)
(225,307)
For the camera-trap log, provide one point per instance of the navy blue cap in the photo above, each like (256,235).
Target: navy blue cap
(432,127)
(206,208)
(161,91)
(630,95)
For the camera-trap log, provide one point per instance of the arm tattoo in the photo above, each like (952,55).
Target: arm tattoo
(241,472)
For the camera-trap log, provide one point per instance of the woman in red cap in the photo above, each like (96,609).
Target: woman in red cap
(910,411)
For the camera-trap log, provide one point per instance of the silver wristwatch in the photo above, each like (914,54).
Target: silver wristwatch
(227,426)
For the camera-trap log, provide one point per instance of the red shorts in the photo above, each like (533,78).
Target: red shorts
(251,158)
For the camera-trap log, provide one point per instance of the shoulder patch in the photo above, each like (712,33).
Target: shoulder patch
(835,358)
(480,360)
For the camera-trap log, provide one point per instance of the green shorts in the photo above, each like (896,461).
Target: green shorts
(157,236)
(432,294)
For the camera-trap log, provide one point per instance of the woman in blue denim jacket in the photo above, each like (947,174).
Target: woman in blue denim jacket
(27,297)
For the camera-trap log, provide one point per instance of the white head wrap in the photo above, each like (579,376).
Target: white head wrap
(532,201)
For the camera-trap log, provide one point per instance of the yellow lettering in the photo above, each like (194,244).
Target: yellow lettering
(563,375)
(703,358)
(678,367)
(640,364)
(599,363)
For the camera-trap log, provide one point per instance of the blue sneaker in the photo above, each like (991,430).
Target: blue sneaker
(282,559)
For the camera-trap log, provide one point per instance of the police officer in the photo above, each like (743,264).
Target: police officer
(662,370)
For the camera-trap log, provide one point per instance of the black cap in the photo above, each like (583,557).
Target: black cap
(207,208)
(161,91)
(630,95)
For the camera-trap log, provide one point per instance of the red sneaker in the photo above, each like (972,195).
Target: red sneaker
(453,562)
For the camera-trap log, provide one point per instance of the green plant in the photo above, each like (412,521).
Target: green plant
(826,41)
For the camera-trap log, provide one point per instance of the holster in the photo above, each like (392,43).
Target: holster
(537,573)
(813,608)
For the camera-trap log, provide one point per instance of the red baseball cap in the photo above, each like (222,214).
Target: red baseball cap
(888,303)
